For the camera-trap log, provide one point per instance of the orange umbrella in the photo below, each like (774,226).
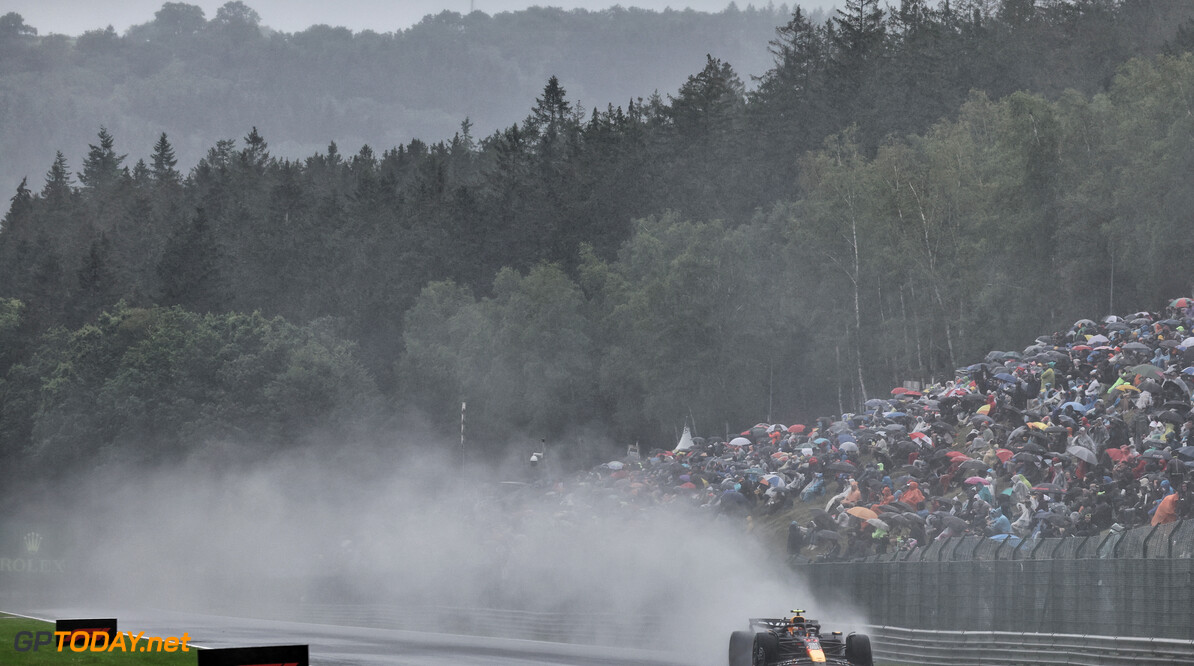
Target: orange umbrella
(862,512)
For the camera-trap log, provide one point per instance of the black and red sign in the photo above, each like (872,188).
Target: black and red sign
(89,626)
(266,655)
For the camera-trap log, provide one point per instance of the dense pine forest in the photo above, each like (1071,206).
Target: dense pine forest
(903,190)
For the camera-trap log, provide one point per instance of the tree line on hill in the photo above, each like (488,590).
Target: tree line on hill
(688,258)
(203,78)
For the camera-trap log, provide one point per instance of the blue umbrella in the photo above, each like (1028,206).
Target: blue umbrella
(1079,407)
(1188,371)
(845,437)
(1005,537)
(894,415)
(1003,376)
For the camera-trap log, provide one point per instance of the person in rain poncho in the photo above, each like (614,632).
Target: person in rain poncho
(1166,511)
(815,488)
(1048,378)
(1021,488)
(886,497)
(984,492)
(991,457)
(912,496)
(997,523)
(1144,401)
(853,495)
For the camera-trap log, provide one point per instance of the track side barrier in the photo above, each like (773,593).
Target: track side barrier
(949,648)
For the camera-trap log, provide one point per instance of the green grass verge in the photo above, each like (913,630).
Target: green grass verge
(10,625)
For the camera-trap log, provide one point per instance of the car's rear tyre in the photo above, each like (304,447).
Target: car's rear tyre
(858,650)
(742,645)
(766,648)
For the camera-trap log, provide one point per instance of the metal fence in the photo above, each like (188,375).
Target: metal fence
(1132,583)
(949,648)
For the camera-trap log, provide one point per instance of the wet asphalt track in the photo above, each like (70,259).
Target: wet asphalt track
(332,645)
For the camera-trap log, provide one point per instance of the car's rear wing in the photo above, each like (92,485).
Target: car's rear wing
(774,623)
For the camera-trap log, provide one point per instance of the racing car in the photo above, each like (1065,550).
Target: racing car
(796,640)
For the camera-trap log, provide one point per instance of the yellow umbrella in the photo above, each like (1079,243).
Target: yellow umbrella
(1037,424)
(1127,387)
(984,410)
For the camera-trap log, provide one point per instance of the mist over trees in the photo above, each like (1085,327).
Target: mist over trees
(899,193)
(205,78)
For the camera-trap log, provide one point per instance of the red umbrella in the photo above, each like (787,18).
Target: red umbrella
(1115,454)
(689,485)
(955,455)
(796,429)
(1080,348)
(1003,454)
(918,435)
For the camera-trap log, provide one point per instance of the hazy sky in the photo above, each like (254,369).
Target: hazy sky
(73,17)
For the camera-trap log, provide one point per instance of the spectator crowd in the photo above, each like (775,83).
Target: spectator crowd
(1084,431)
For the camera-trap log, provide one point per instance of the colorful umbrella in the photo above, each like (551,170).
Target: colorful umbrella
(862,512)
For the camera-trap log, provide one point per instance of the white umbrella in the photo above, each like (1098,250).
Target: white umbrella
(740,441)
(1083,453)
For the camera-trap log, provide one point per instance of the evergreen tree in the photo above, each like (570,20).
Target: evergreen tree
(164,162)
(58,180)
(709,101)
(20,206)
(255,154)
(551,114)
(190,271)
(860,31)
(101,169)
(96,282)
(15,240)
